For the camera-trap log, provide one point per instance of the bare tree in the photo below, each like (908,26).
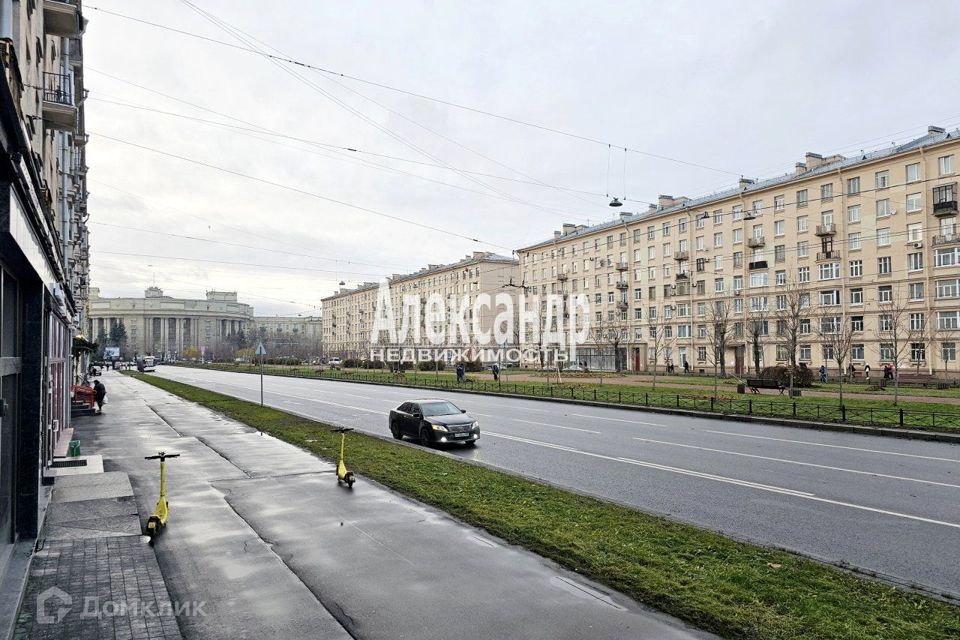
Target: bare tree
(719,334)
(758,328)
(792,308)
(658,342)
(895,334)
(836,336)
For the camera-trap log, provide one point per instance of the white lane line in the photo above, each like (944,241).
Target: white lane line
(555,426)
(804,464)
(652,424)
(483,415)
(285,395)
(834,446)
(735,481)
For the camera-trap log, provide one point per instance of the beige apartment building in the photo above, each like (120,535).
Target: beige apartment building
(867,241)
(349,313)
(164,326)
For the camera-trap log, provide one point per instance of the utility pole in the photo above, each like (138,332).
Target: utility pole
(261,351)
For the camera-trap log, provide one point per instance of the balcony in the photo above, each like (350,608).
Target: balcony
(622,266)
(59,109)
(62,18)
(758,264)
(947,208)
(756,243)
(562,277)
(681,256)
(623,285)
(950,238)
(622,305)
(828,255)
(826,229)
(682,275)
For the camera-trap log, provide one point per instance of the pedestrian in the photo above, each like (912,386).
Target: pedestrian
(460,372)
(686,367)
(496,372)
(99,394)
(853,372)
(823,373)
(866,372)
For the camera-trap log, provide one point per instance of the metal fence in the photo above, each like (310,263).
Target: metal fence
(802,410)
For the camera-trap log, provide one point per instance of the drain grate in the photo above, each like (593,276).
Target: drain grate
(60,464)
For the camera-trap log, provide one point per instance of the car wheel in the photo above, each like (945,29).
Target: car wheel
(425,436)
(395,430)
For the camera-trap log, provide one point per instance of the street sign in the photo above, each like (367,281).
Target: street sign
(261,351)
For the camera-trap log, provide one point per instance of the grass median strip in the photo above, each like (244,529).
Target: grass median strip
(734,589)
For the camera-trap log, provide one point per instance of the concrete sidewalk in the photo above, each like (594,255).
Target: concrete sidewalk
(263,535)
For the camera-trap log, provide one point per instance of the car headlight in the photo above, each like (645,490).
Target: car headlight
(438,427)
(475,425)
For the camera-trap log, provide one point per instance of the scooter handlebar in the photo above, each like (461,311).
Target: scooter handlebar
(341,430)
(162,456)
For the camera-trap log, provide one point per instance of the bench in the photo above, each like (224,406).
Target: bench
(756,384)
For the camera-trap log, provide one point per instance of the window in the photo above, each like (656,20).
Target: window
(737,283)
(883,237)
(636,294)
(801,198)
(699,243)
(829,271)
(948,320)
(717,240)
(853,186)
(886,351)
(757,208)
(856,323)
(737,236)
(947,257)
(780,253)
(665,229)
(882,179)
(853,214)
(803,249)
(781,278)
(856,352)
(830,298)
(804,326)
(853,241)
(885,293)
(802,223)
(914,202)
(915,232)
(948,351)
(803,274)
(826,191)
(718,285)
(737,212)
(915,290)
(778,203)
(914,261)
(717,263)
(884,322)
(781,304)
(913,172)
(701,354)
(779,227)
(700,222)
(856,268)
(701,265)
(945,165)
(737,259)
(760,279)
(918,352)
(885,265)
(944,193)
(758,304)
(883,208)
(856,296)
(637,314)
(718,216)
(805,353)
(948,288)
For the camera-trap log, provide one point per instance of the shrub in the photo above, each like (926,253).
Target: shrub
(372,364)
(802,376)
(473,367)
(431,365)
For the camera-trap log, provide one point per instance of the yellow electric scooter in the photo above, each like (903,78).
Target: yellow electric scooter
(158,519)
(343,476)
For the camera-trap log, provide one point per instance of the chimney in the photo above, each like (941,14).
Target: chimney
(745,182)
(625,215)
(799,168)
(651,208)
(556,234)
(813,160)
(932,130)
(664,201)
(581,227)
(479,254)
(568,228)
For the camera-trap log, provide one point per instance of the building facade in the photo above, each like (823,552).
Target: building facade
(169,327)
(43,246)
(868,242)
(349,314)
(291,336)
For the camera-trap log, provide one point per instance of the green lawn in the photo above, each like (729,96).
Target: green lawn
(927,416)
(731,588)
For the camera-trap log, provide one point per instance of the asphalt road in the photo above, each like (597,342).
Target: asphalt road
(886,506)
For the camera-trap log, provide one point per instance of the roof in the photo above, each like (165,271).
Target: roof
(933,137)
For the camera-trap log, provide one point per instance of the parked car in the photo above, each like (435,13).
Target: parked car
(434,421)
(333,363)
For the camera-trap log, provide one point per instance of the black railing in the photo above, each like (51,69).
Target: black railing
(792,409)
(58,87)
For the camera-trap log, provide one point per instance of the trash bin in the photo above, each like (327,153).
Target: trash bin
(73,450)
(741,388)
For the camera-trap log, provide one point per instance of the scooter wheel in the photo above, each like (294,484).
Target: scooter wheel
(350,480)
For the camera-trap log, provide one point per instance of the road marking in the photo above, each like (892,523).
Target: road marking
(652,424)
(735,481)
(485,415)
(805,464)
(834,446)
(555,426)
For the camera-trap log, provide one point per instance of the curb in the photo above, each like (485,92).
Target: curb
(889,432)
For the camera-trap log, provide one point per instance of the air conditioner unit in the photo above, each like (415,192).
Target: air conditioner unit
(893,212)
(917,245)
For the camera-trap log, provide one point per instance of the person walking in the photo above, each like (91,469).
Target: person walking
(686,367)
(99,394)
(823,373)
(866,372)
(460,371)
(496,372)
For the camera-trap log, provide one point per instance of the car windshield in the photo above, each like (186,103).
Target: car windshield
(439,409)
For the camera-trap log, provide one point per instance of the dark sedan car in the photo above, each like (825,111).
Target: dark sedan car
(434,422)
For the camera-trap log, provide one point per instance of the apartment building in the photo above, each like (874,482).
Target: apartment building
(167,327)
(43,248)
(349,313)
(866,240)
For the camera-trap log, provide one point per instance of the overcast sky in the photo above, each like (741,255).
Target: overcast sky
(741,87)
